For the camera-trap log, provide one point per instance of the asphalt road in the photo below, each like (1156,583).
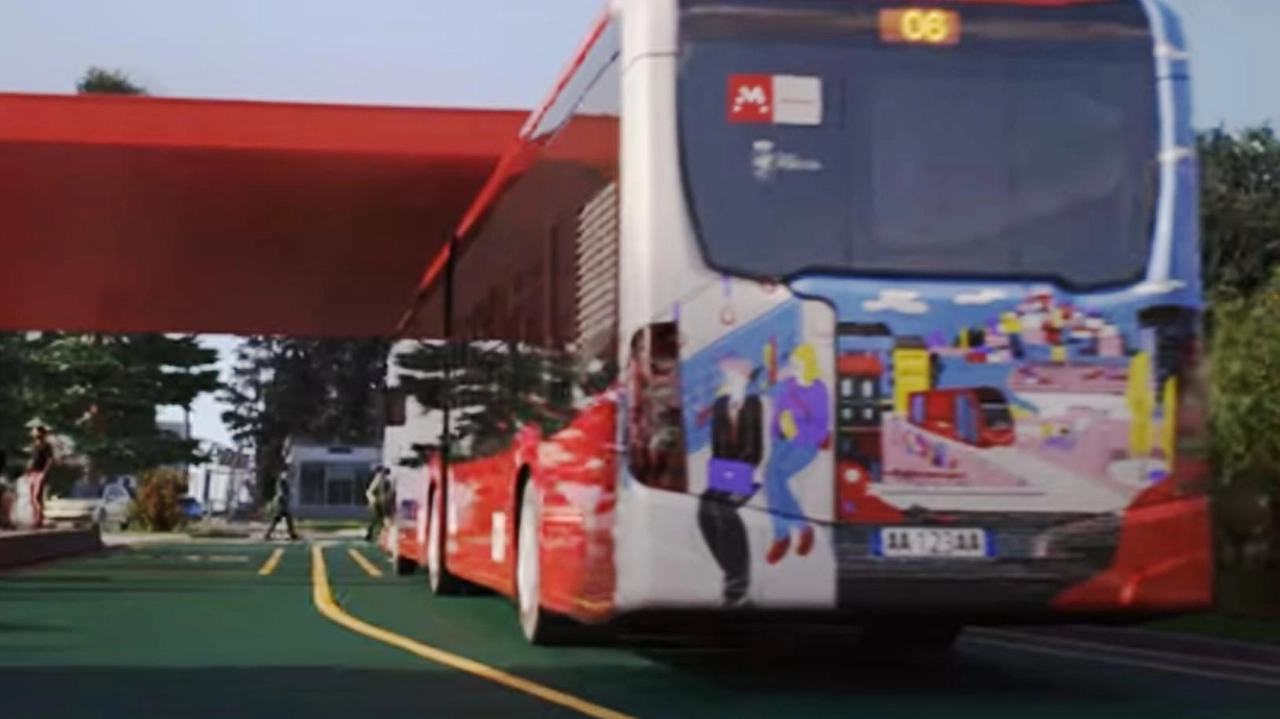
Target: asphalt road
(215,630)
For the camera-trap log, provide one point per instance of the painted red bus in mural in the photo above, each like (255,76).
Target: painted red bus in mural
(977,416)
(704,326)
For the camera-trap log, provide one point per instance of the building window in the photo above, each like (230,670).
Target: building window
(312,483)
(333,484)
(342,482)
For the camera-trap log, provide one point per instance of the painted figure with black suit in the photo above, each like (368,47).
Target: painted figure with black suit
(737,447)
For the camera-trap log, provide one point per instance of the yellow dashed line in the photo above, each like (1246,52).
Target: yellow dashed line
(322,595)
(365,564)
(272,562)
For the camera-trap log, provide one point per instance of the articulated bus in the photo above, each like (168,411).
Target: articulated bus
(866,310)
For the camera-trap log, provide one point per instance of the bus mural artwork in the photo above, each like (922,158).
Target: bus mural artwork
(800,429)
(820,350)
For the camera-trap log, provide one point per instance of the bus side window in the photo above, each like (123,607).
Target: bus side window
(655,422)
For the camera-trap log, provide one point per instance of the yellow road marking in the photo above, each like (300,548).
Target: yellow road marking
(364,563)
(322,595)
(272,562)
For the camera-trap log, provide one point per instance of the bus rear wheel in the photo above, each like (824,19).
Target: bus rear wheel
(441,580)
(405,566)
(539,626)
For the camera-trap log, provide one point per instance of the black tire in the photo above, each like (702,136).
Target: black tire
(405,566)
(443,583)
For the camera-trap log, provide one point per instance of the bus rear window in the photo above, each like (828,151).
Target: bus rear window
(1026,149)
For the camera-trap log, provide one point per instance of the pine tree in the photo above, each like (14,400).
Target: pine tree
(103,392)
(15,409)
(324,390)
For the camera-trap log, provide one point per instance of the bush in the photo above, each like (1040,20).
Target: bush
(1245,418)
(157,507)
(1245,368)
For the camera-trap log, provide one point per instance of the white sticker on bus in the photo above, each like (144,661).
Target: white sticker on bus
(797,100)
(498,537)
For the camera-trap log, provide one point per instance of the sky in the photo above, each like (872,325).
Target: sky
(447,53)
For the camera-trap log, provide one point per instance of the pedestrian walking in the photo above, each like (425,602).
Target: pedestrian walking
(280,508)
(376,495)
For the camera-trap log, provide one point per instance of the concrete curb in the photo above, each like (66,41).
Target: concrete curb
(23,549)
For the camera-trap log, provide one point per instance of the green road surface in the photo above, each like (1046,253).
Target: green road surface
(194,630)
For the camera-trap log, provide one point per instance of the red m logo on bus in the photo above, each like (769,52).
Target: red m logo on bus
(750,98)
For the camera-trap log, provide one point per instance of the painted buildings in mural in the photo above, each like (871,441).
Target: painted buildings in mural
(1039,385)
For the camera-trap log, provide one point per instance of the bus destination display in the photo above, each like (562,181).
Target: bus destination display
(920,26)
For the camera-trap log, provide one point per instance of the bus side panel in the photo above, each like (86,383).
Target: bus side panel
(576,473)
(533,309)
(480,521)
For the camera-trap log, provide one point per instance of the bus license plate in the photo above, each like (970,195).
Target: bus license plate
(932,542)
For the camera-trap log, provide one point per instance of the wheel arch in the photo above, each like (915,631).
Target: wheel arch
(523,478)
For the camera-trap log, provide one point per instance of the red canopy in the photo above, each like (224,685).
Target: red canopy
(132,214)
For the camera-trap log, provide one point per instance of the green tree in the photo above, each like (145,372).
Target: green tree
(103,393)
(98,81)
(15,408)
(1240,208)
(353,372)
(325,390)
(247,419)
(1246,386)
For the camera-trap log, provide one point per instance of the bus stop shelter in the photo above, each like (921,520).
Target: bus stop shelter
(139,214)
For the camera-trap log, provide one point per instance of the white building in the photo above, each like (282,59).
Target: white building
(329,481)
(226,484)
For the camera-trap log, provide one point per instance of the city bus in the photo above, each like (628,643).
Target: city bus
(692,325)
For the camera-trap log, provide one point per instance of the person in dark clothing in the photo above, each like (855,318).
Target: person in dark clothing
(737,448)
(41,451)
(42,458)
(280,509)
(377,496)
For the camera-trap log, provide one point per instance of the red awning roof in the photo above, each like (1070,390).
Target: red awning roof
(128,214)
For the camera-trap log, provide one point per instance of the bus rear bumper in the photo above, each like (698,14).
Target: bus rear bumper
(1164,563)
(1150,561)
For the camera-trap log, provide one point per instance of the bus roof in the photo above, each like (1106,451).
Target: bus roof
(138,214)
(513,159)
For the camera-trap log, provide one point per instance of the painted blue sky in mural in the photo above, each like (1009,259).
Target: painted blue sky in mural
(914,308)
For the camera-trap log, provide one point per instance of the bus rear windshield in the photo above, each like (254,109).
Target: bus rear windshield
(1024,147)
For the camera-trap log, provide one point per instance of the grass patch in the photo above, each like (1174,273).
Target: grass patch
(1222,626)
(218,533)
(330,525)
(1248,609)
